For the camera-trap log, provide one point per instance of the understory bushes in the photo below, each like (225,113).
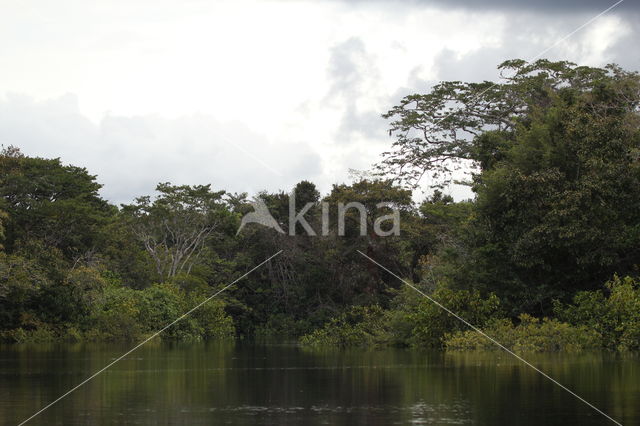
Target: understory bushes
(608,319)
(105,310)
(613,313)
(360,326)
(530,335)
(411,321)
(431,323)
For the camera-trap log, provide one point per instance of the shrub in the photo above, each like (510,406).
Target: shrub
(128,314)
(29,330)
(360,326)
(530,335)
(212,320)
(431,322)
(158,306)
(42,334)
(616,316)
(281,325)
(400,323)
(20,281)
(87,287)
(117,317)
(412,320)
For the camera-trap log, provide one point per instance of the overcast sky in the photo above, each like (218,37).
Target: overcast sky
(252,95)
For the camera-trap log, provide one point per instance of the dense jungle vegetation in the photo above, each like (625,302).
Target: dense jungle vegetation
(544,257)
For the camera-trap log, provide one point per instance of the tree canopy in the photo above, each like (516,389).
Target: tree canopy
(473,123)
(552,154)
(47,201)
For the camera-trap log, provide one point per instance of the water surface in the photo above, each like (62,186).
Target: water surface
(243,384)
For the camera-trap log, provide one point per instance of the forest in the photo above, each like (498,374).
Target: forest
(544,257)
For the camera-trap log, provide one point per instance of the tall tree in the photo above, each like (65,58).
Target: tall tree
(460,123)
(176,226)
(53,203)
(555,153)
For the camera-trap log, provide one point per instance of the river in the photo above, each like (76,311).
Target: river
(249,383)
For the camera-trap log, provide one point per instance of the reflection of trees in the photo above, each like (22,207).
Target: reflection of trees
(502,384)
(156,380)
(214,383)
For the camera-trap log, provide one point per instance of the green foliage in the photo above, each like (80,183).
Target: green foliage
(176,226)
(158,306)
(412,320)
(316,277)
(86,288)
(212,321)
(117,317)
(459,121)
(530,335)
(130,314)
(615,315)
(431,322)
(554,149)
(441,211)
(89,306)
(21,281)
(42,333)
(48,201)
(3,218)
(281,326)
(555,154)
(560,212)
(400,324)
(124,257)
(360,326)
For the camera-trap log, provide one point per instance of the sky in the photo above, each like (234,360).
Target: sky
(259,95)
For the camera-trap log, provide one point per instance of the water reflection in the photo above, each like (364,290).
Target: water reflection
(215,383)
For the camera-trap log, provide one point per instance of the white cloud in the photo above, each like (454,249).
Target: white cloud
(131,155)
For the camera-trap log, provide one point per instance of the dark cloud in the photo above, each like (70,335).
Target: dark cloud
(348,62)
(541,6)
(521,40)
(544,6)
(350,68)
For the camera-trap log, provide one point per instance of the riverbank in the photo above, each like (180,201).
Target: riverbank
(593,320)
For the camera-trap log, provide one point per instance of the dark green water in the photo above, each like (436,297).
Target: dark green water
(193,384)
